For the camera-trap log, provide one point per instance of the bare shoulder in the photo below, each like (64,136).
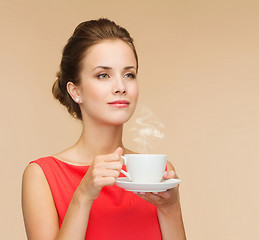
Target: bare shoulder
(40,215)
(33,177)
(32,170)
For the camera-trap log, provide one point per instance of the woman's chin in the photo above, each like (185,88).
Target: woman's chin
(116,121)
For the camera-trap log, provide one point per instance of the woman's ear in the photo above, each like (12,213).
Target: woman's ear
(74,92)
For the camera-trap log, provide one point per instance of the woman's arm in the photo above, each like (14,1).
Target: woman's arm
(40,214)
(168,209)
(170,215)
(171,224)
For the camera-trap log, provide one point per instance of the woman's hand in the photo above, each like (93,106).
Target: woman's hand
(103,172)
(167,200)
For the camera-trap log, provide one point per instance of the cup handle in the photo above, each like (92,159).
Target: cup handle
(124,172)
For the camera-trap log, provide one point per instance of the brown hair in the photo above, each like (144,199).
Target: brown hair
(85,35)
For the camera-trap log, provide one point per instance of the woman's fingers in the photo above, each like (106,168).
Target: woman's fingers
(165,195)
(104,177)
(119,151)
(157,199)
(170,174)
(100,182)
(105,169)
(150,197)
(116,165)
(113,157)
(106,173)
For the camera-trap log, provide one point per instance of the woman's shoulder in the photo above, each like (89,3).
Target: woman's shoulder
(34,169)
(40,160)
(39,167)
(33,178)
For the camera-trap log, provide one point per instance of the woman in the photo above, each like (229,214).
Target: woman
(72,195)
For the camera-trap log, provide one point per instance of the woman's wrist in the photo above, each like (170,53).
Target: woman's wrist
(81,197)
(172,205)
(170,210)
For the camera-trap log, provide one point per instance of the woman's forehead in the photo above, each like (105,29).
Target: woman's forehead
(109,53)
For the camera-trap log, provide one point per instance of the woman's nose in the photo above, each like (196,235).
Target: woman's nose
(119,86)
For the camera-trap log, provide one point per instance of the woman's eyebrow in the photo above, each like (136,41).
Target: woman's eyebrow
(106,67)
(130,67)
(103,67)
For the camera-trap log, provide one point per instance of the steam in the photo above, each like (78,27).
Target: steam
(147,129)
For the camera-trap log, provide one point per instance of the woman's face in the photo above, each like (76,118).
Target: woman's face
(108,88)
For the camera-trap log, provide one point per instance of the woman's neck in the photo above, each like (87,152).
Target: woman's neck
(96,139)
(101,140)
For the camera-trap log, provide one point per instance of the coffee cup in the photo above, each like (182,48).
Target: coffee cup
(144,168)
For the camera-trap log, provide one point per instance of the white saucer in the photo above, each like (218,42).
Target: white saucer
(162,186)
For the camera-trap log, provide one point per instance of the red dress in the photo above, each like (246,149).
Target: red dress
(115,215)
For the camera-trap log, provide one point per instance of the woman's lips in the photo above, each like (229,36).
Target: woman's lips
(119,103)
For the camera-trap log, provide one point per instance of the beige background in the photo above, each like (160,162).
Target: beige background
(199,77)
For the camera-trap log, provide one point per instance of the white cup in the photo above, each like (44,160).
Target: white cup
(144,168)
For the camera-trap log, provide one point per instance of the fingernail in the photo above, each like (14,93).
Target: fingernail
(165,173)
(155,193)
(142,193)
(135,192)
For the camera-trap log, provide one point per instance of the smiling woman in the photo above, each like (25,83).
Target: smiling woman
(73,191)
(113,80)
(86,35)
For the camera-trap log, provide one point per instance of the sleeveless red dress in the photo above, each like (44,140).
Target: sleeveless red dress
(115,215)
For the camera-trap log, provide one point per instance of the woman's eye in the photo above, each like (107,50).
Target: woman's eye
(103,76)
(130,75)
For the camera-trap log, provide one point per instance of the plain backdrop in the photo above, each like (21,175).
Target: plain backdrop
(199,101)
